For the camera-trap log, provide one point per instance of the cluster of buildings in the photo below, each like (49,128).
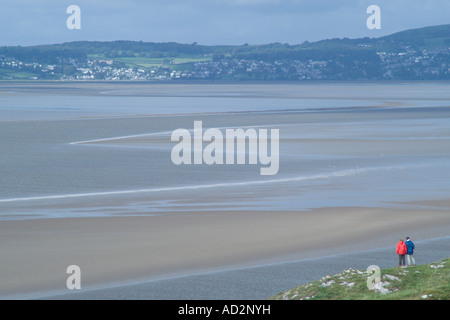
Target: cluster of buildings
(411,64)
(246,69)
(408,65)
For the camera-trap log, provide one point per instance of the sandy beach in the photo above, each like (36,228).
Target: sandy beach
(36,253)
(88,180)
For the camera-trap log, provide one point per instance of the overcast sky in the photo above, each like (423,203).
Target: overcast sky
(211,22)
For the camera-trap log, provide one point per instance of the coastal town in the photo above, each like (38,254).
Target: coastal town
(416,54)
(408,65)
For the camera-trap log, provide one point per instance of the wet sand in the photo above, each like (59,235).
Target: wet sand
(119,250)
(79,193)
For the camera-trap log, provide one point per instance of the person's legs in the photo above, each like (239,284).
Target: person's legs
(410,257)
(401,260)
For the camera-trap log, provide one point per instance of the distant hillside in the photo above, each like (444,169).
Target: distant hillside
(428,38)
(417,54)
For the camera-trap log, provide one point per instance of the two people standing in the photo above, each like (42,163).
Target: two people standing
(405,248)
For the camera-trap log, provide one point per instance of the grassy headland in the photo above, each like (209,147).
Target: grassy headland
(428,281)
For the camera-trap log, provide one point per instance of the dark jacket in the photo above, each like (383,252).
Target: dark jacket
(410,245)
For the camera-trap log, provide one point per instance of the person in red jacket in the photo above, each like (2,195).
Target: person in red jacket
(401,250)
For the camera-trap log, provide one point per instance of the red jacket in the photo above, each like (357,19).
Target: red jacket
(401,248)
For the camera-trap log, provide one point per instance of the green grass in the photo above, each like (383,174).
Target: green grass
(141,61)
(190,59)
(158,62)
(15,75)
(429,281)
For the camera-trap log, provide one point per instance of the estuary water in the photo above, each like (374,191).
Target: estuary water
(103,149)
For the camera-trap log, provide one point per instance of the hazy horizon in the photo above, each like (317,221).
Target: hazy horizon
(213,22)
(217,44)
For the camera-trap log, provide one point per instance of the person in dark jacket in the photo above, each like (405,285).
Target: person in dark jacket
(409,254)
(401,250)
